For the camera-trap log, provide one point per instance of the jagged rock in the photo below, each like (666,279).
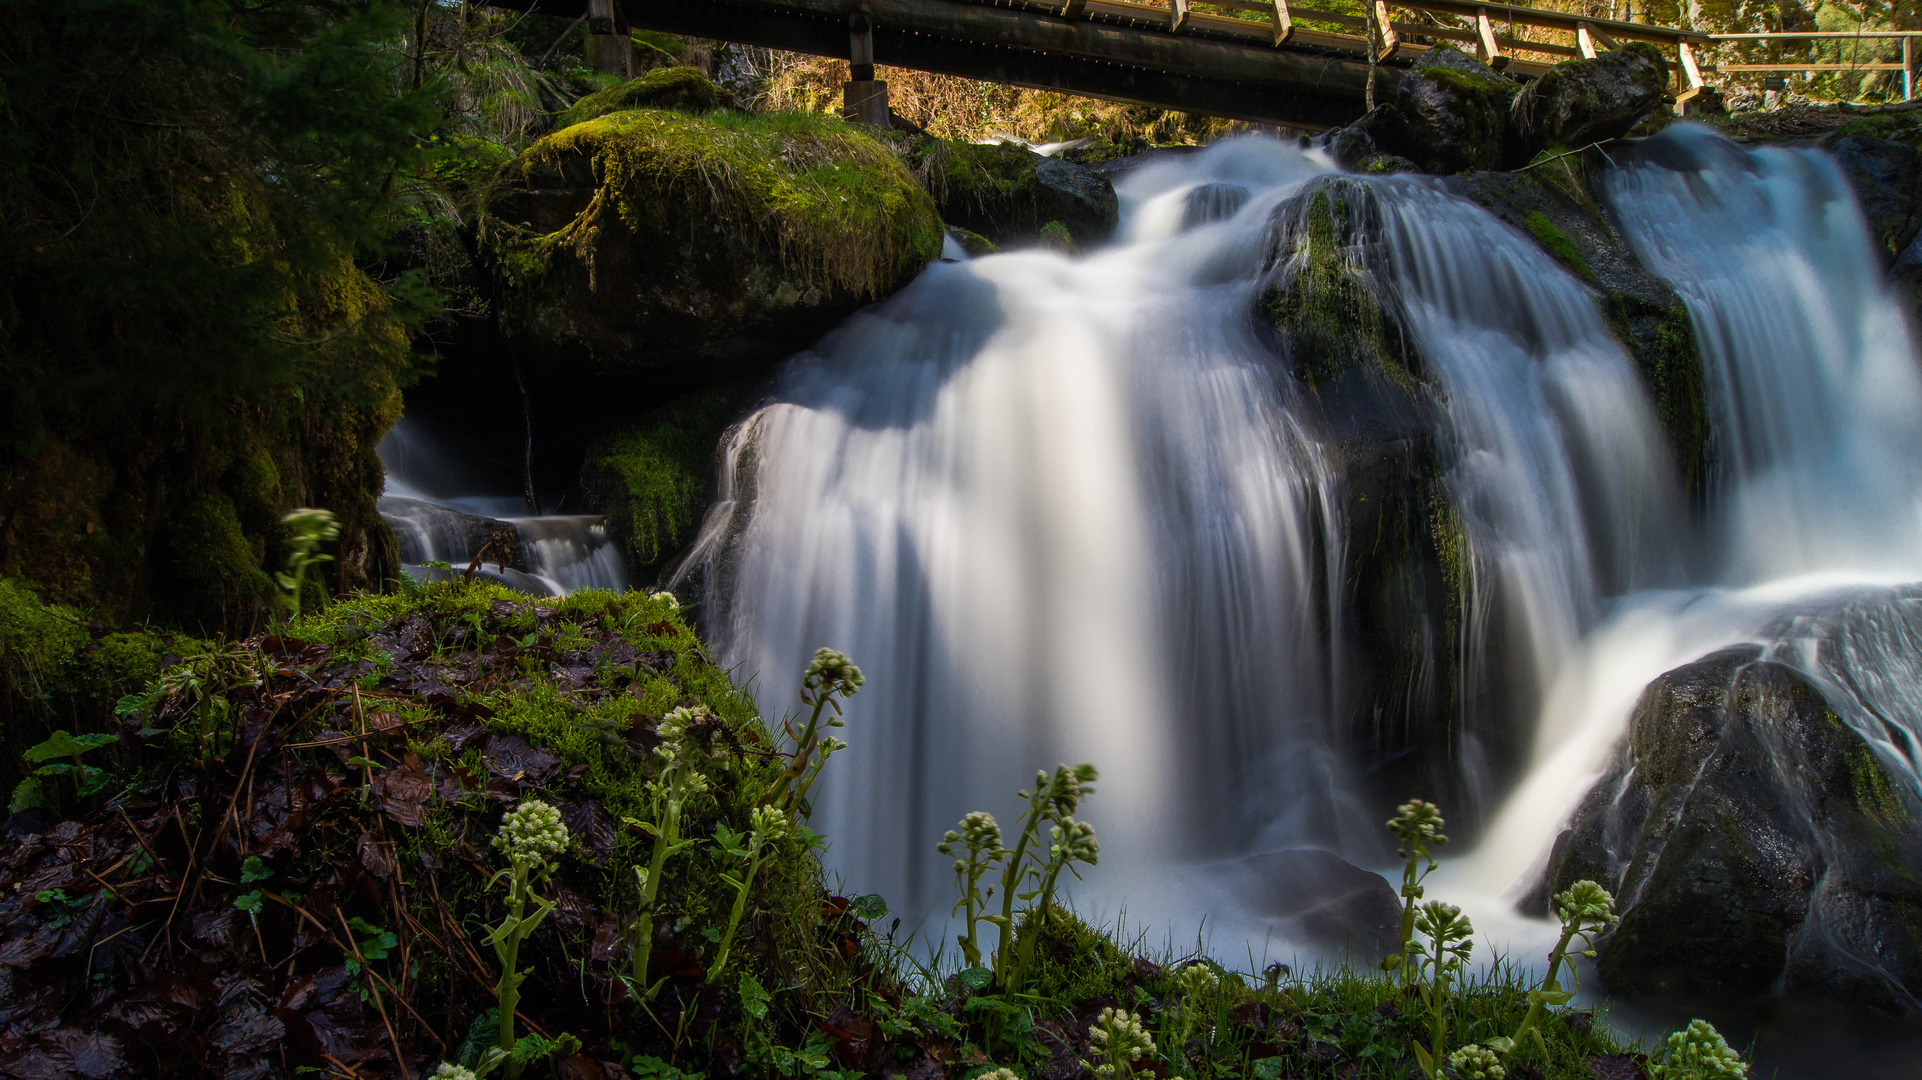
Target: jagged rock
(1450,114)
(647,254)
(1755,843)
(1010,194)
(1583,101)
(1887,178)
(1321,897)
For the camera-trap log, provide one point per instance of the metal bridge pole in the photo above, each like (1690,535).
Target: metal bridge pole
(865,100)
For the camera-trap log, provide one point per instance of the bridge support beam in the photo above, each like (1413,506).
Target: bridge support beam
(608,46)
(865,99)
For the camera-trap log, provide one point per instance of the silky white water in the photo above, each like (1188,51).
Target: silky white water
(1811,372)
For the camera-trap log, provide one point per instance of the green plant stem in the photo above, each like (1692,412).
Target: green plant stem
(509,952)
(1012,874)
(971,906)
(664,843)
(1551,984)
(784,793)
(1411,891)
(756,857)
(1438,997)
(1043,900)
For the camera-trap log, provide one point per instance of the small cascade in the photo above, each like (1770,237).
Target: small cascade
(1556,463)
(1810,366)
(553,554)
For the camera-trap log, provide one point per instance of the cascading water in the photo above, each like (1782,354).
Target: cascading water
(436,515)
(1057,510)
(1811,374)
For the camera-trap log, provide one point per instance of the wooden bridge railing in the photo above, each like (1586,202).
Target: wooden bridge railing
(1906,66)
(1388,37)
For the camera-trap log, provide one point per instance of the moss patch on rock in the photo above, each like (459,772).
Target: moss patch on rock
(683,88)
(1012,195)
(675,252)
(654,480)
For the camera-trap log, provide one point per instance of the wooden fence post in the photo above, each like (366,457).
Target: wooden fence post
(608,47)
(1491,52)
(1390,43)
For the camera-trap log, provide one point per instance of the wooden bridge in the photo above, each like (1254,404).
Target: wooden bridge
(1268,61)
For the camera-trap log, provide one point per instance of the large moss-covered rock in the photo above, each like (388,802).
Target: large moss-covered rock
(1012,195)
(1756,844)
(647,253)
(1450,113)
(1588,100)
(1405,583)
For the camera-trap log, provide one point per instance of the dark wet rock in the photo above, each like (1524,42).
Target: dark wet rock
(428,532)
(1887,178)
(1756,845)
(1011,194)
(1450,114)
(1322,897)
(1584,101)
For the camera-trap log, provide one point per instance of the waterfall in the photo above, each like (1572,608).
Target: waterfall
(1057,510)
(1811,374)
(439,513)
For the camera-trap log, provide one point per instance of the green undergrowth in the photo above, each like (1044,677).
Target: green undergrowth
(835,207)
(309,819)
(652,480)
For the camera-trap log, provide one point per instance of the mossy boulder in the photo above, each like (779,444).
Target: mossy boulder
(1450,113)
(1588,100)
(683,88)
(1406,581)
(1554,206)
(1756,844)
(646,254)
(655,478)
(1012,195)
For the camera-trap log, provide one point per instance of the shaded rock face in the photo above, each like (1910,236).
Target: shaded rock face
(1010,194)
(1585,101)
(647,254)
(1322,898)
(1887,178)
(1755,843)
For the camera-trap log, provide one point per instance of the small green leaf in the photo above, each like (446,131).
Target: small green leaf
(869,908)
(975,978)
(754,999)
(61,744)
(27,794)
(254,870)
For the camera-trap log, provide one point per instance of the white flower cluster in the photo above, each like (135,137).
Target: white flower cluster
(1066,789)
(532,834)
(311,524)
(668,598)
(999,1074)
(1699,1053)
(1076,841)
(450,1071)
(979,832)
(832,673)
(1477,1063)
(1417,822)
(1585,905)
(1117,1035)
(770,824)
(1197,980)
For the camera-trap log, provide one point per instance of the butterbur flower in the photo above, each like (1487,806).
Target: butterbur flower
(1197,980)
(1076,840)
(667,598)
(532,834)
(1586,905)
(1699,1053)
(832,673)
(999,1074)
(770,824)
(450,1071)
(1117,1035)
(1067,787)
(1417,823)
(310,523)
(1477,1063)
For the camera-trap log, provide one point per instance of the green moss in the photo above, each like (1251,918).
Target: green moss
(682,88)
(211,566)
(1672,369)
(1557,243)
(973,243)
(1055,235)
(834,209)
(1074,961)
(653,480)
(1327,310)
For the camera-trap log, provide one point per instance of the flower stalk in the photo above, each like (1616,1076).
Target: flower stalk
(830,678)
(1416,825)
(677,784)
(770,826)
(532,836)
